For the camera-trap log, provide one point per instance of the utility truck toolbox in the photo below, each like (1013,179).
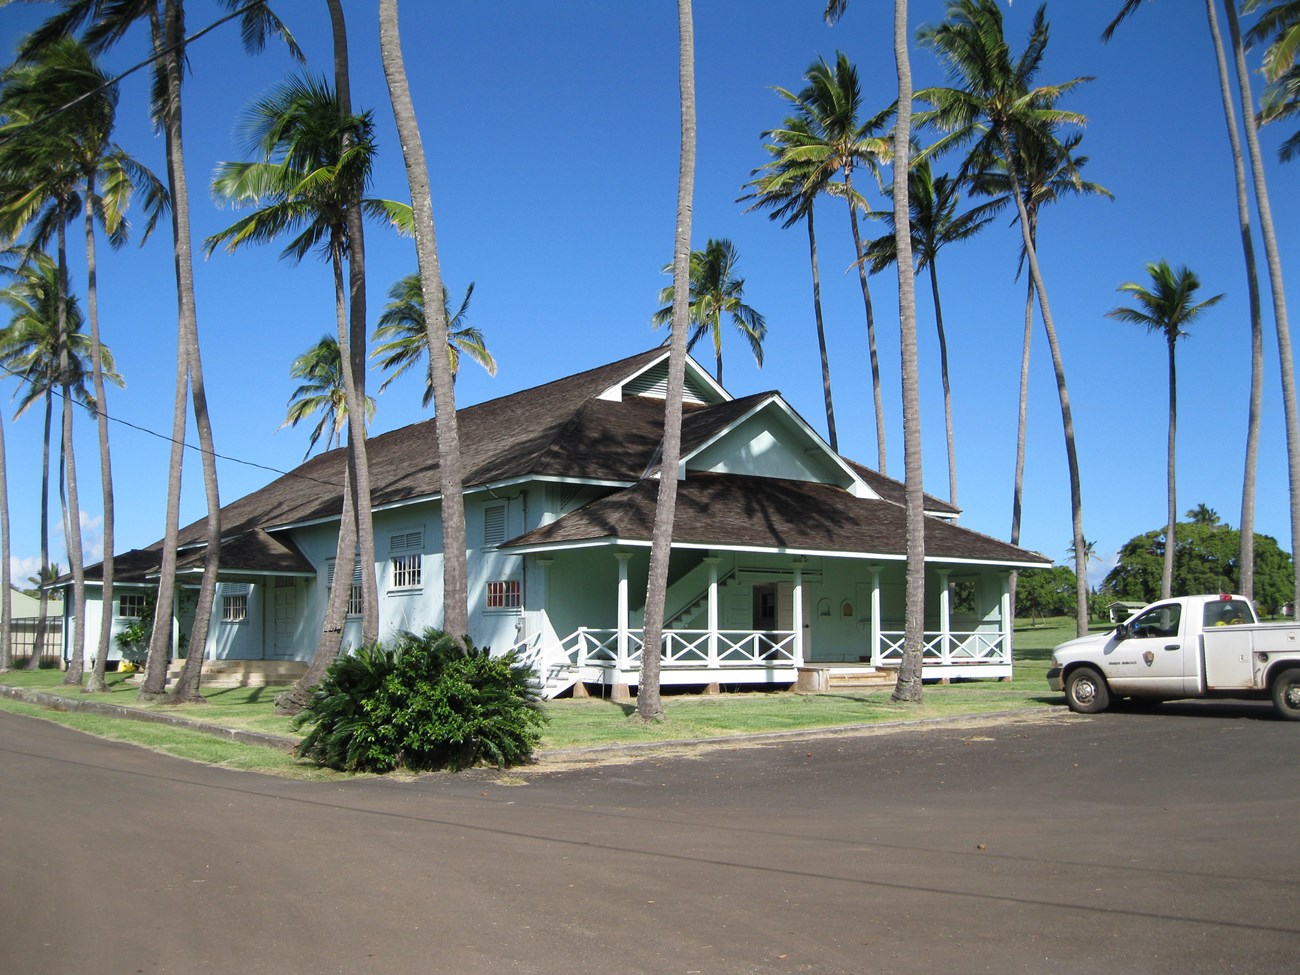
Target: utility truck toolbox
(1191,646)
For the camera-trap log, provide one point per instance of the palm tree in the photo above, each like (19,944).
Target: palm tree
(1279,24)
(994,105)
(782,186)
(322,391)
(909,685)
(313,163)
(46,348)
(455,586)
(106,23)
(404,335)
(1167,307)
(829,105)
(1246,560)
(1048,171)
(58,75)
(1203,515)
(715,291)
(935,223)
(649,703)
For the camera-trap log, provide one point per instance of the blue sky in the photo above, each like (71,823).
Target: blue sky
(552,135)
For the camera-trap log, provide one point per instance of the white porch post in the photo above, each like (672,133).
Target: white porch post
(176,622)
(1008,619)
(945,620)
(623,607)
(797,595)
(875,615)
(712,562)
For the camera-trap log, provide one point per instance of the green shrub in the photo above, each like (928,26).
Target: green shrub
(422,702)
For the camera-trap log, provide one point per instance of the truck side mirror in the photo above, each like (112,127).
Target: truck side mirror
(1121,632)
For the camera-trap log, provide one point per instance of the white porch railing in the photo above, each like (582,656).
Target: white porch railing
(973,647)
(682,648)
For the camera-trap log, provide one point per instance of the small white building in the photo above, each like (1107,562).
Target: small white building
(787,558)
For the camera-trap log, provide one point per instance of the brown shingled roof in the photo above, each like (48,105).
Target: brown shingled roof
(762,512)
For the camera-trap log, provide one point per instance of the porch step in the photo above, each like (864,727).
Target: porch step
(866,679)
(244,673)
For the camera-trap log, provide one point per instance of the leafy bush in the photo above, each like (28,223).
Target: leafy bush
(421,702)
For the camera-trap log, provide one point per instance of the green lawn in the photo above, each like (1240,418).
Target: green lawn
(584,722)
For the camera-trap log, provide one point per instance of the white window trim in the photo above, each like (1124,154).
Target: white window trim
(234,602)
(130,595)
(507,592)
(406,562)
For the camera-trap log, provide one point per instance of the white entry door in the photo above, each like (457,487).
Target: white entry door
(785,613)
(286,621)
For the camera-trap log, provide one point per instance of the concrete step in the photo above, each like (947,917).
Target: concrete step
(244,673)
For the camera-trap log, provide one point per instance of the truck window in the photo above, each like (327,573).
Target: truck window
(1158,621)
(1228,612)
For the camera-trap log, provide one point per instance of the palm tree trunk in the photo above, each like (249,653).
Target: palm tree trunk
(71,507)
(947,389)
(1246,560)
(330,643)
(187,687)
(72,535)
(1274,262)
(649,704)
(42,622)
(1067,418)
(154,686)
(821,334)
(1022,422)
(1171,524)
(97,681)
(358,460)
(356,348)
(871,320)
(6,593)
(451,475)
(909,686)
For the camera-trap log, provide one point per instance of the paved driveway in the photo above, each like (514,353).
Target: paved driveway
(1128,842)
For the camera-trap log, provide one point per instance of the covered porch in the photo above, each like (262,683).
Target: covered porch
(752,618)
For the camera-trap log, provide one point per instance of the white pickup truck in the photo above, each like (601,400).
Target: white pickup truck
(1191,646)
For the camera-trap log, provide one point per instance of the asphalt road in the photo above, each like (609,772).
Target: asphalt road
(1128,842)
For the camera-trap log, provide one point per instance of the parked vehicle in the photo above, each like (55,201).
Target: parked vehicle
(1191,646)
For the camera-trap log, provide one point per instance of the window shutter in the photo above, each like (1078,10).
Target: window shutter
(494,525)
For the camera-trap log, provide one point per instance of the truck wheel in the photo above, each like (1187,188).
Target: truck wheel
(1086,691)
(1286,694)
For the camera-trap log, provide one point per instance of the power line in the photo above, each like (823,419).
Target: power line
(162,436)
(156,56)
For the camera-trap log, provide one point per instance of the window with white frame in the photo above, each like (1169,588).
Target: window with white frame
(504,596)
(494,525)
(354,595)
(130,605)
(406,560)
(234,602)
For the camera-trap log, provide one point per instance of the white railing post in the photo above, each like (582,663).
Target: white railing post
(622,607)
(712,562)
(875,615)
(945,617)
(797,595)
(1008,617)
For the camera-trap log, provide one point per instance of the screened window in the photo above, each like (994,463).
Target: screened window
(354,595)
(234,603)
(130,605)
(406,559)
(503,595)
